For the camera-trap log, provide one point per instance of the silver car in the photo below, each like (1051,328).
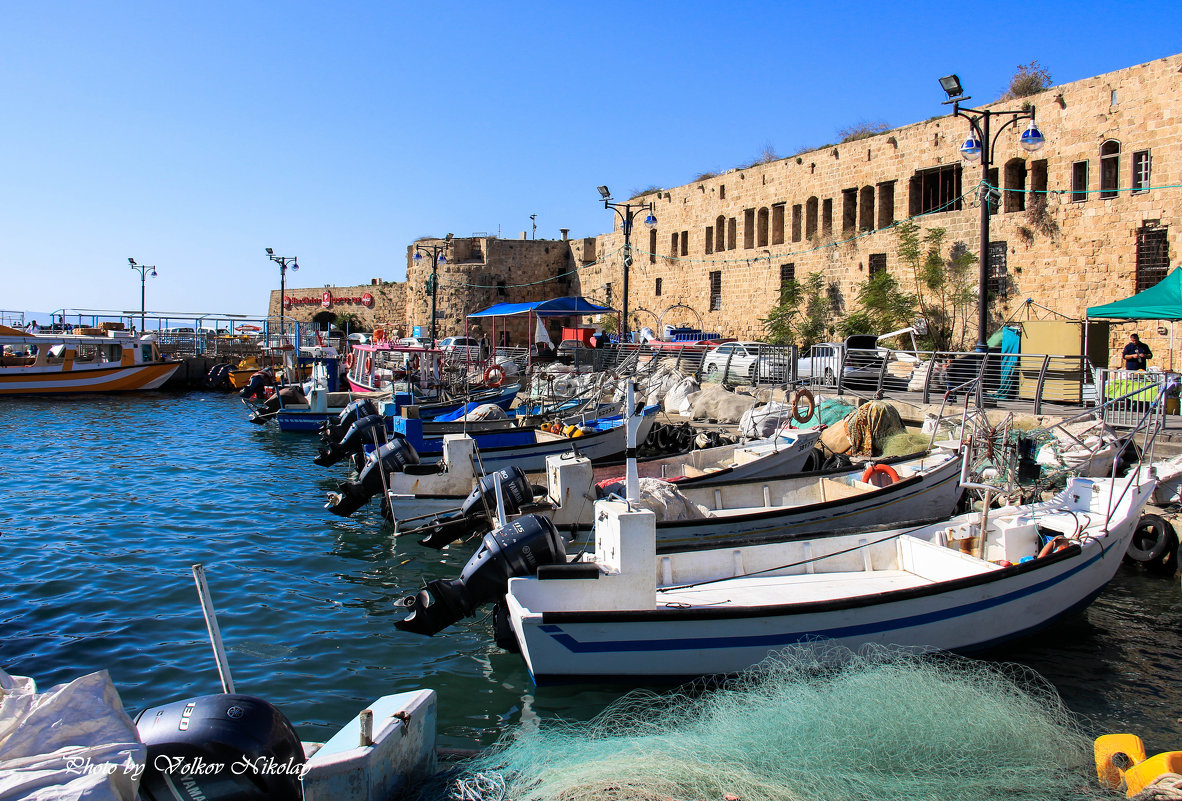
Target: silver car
(822,364)
(745,361)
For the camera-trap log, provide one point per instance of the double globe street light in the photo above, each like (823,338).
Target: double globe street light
(627,212)
(980,144)
(284,262)
(143,268)
(438,256)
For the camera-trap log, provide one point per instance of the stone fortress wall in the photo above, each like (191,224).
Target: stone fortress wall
(1109,172)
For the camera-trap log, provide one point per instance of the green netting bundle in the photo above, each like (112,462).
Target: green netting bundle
(828,412)
(809,725)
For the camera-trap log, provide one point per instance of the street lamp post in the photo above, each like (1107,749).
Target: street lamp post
(283,262)
(626,213)
(438,256)
(980,144)
(143,268)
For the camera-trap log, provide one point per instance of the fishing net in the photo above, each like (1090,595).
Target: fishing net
(809,724)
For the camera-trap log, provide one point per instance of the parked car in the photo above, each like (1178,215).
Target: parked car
(414,342)
(751,361)
(822,364)
(568,351)
(462,348)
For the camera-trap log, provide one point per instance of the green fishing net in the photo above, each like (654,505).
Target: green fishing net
(812,724)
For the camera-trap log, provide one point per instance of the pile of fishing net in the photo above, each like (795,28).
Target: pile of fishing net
(808,726)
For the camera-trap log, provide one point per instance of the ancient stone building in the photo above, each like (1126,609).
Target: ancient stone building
(374,305)
(1090,218)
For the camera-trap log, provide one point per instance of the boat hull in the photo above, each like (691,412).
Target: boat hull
(113,378)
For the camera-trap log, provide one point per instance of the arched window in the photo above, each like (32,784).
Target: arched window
(720,233)
(1109,168)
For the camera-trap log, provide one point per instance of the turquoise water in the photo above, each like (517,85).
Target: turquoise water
(110,500)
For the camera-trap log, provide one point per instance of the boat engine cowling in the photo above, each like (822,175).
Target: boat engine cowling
(393,457)
(369,430)
(333,430)
(471,517)
(514,550)
(220,747)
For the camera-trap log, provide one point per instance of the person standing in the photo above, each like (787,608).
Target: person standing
(1135,353)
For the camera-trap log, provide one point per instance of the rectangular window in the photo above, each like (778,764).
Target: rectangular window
(1141,171)
(886,204)
(797,222)
(709,239)
(935,190)
(827,216)
(715,290)
(749,228)
(732,235)
(1153,256)
(652,246)
(1079,181)
(607,293)
(685,243)
(501,289)
(787,273)
(998,271)
(673,243)
(657,287)
(849,210)
(778,224)
(877,264)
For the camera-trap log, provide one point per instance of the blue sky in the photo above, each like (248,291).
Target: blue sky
(191,136)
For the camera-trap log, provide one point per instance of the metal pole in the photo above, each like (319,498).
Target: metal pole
(215,633)
(627,264)
(983,266)
(143,285)
(282,275)
(434,289)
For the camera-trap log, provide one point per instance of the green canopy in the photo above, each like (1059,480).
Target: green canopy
(1163,301)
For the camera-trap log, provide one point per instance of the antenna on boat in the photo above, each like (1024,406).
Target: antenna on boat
(211,625)
(502,518)
(632,422)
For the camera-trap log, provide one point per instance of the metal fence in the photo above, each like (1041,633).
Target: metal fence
(1131,397)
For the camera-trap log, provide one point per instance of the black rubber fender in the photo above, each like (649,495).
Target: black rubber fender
(1154,542)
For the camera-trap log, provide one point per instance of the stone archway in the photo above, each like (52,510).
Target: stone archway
(324,319)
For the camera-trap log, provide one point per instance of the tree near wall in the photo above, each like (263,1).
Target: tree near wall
(804,316)
(882,307)
(944,287)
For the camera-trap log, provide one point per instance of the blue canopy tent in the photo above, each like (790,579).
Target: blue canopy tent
(571,306)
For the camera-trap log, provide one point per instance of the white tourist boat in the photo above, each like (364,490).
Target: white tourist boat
(964,584)
(59,363)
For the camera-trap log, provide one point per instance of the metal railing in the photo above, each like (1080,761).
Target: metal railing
(1127,395)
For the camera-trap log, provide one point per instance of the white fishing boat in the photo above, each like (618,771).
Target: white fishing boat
(59,363)
(420,495)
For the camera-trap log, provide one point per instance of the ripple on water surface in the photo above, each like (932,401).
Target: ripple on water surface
(110,500)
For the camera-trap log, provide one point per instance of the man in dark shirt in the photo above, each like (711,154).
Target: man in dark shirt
(1135,353)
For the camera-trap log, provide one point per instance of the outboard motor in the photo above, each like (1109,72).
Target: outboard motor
(369,430)
(222,748)
(333,430)
(274,404)
(393,457)
(471,516)
(255,388)
(515,550)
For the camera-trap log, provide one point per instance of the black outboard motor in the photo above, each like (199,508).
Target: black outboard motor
(393,457)
(218,376)
(255,388)
(471,517)
(369,430)
(221,748)
(293,395)
(333,430)
(515,550)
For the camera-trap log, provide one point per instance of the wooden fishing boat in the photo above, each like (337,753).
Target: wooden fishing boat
(963,584)
(58,363)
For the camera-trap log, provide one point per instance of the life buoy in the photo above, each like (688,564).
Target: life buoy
(368,366)
(379,335)
(349,360)
(810,407)
(494,375)
(880,475)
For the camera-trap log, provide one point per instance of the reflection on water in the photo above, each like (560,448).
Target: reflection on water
(110,500)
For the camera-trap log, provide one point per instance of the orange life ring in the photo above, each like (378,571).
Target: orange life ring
(810,406)
(379,335)
(884,470)
(368,364)
(349,360)
(494,376)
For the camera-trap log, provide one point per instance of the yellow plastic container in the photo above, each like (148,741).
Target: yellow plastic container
(1120,760)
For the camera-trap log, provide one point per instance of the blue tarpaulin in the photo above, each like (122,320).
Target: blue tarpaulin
(573,306)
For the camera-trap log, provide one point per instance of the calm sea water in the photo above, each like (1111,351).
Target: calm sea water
(108,501)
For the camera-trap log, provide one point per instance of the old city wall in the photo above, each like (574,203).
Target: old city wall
(831,210)
(480,272)
(387,307)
